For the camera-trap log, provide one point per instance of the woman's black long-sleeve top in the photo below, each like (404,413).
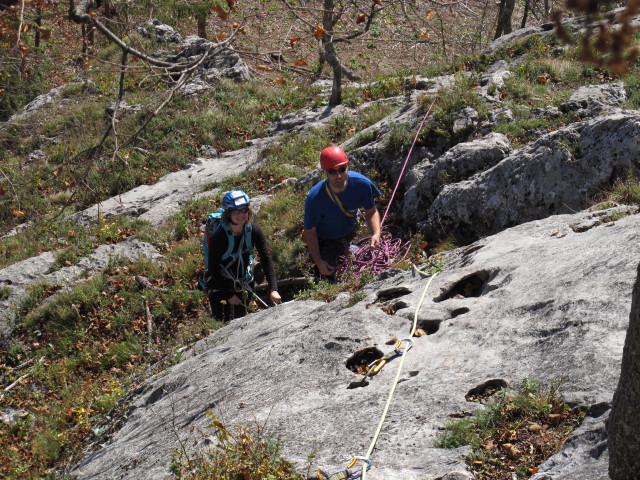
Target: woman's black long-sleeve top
(217,248)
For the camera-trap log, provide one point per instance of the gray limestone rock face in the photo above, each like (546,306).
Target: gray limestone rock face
(427,178)
(593,100)
(624,422)
(541,300)
(562,172)
(53,95)
(223,62)
(20,275)
(154,28)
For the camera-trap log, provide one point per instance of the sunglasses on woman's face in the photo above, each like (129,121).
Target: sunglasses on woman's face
(334,171)
(240,210)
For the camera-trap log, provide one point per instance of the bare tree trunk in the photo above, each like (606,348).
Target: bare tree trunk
(202,26)
(336,88)
(84,38)
(330,53)
(547,9)
(36,42)
(525,15)
(624,420)
(504,18)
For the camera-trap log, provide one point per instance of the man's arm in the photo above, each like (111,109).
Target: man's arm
(372,216)
(310,237)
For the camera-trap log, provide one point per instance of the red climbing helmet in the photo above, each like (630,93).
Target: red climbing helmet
(332,157)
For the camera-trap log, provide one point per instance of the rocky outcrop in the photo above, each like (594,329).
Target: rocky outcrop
(154,28)
(40,269)
(593,100)
(428,178)
(542,300)
(224,62)
(562,172)
(624,422)
(52,96)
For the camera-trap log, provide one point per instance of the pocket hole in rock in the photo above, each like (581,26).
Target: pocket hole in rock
(359,361)
(430,326)
(470,286)
(485,390)
(394,307)
(472,249)
(391,293)
(459,311)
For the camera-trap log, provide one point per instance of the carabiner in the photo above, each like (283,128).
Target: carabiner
(374,367)
(397,347)
(359,473)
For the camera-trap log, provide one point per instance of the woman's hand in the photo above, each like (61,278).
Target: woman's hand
(275,297)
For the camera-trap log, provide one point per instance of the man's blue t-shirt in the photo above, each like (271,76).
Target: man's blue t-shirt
(322,212)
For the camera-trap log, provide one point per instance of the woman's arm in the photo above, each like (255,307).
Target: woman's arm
(260,241)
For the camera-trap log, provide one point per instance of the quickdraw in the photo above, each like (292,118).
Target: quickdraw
(349,472)
(374,367)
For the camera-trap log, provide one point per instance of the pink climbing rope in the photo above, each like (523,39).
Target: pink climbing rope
(392,250)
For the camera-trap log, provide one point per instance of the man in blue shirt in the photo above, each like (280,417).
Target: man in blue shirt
(331,211)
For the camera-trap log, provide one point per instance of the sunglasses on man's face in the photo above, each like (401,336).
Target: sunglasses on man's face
(240,210)
(334,171)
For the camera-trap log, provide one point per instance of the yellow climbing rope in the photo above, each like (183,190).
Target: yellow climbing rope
(395,381)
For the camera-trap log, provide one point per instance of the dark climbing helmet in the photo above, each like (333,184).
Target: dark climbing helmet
(235,199)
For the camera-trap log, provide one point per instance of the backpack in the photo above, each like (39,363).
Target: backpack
(213,222)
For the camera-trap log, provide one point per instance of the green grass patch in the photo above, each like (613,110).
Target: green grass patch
(626,191)
(513,433)
(438,130)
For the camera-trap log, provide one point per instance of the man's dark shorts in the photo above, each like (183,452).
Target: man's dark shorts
(332,249)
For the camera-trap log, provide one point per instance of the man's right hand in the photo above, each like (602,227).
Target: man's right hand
(325,269)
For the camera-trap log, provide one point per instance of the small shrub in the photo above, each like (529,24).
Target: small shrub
(356,298)
(514,434)
(452,242)
(244,451)
(626,191)
(438,129)
(400,138)
(5,292)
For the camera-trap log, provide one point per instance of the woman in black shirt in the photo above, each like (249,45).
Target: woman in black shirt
(231,270)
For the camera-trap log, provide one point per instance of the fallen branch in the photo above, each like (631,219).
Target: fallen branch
(14,384)
(149,325)
(145,283)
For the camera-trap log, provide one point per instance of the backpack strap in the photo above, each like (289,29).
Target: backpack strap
(230,241)
(246,245)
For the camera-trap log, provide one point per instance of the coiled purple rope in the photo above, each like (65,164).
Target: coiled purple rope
(392,250)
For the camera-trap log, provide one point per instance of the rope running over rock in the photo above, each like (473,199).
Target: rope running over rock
(392,250)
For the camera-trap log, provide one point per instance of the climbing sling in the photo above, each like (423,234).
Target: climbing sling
(333,196)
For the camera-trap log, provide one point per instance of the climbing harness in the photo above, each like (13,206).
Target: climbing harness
(390,250)
(349,472)
(213,222)
(243,275)
(374,367)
